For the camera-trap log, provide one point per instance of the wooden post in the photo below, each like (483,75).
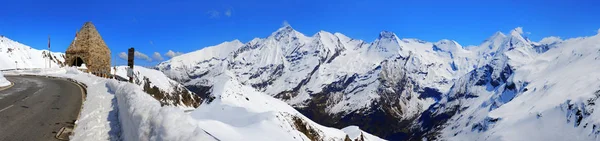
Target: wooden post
(130,59)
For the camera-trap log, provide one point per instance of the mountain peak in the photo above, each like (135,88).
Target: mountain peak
(496,37)
(498,34)
(285,27)
(447,45)
(517,31)
(285,30)
(323,33)
(386,34)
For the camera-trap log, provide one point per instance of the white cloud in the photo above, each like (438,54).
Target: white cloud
(157,56)
(123,55)
(213,14)
(172,54)
(143,56)
(228,12)
(598,31)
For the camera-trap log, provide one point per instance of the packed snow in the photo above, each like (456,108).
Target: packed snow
(3,81)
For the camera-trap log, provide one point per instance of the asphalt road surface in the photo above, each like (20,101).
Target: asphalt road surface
(36,108)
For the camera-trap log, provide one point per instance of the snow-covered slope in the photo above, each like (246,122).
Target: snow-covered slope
(3,81)
(16,55)
(545,96)
(164,89)
(414,89)
(240,112)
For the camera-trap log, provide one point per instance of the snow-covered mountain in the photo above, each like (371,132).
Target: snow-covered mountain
(16,55)
(396,88)
(333,79)
(528,91)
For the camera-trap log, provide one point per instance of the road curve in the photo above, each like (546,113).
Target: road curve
(36,108)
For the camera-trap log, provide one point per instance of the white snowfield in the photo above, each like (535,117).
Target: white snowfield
(3,81)
(16,55)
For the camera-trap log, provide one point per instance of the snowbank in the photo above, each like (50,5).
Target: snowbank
(3,81)
(142,117)
(98,119)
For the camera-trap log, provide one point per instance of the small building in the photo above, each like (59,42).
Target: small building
(89,49)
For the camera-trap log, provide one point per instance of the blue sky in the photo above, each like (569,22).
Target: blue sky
(188,25)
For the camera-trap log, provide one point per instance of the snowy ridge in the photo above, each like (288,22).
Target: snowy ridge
(170,92)
(25,56)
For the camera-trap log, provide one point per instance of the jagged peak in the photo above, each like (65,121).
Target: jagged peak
(448,42)
(323,33)
(286,29)
(517,31)
(236,41)
(497,35)
(387,34)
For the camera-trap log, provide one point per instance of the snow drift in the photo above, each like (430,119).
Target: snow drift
(3,81)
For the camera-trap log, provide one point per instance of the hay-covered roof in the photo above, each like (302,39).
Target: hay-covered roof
(88,40)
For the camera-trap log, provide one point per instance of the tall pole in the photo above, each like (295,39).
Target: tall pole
(49,55)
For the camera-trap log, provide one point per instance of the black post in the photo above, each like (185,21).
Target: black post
(130,58)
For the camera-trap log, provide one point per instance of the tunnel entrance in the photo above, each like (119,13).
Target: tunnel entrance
(77,62)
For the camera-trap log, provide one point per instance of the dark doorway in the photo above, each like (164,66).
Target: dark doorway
(77,62)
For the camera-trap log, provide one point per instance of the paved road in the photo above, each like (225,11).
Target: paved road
(35,108)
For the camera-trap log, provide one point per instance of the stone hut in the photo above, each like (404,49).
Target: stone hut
(88,48)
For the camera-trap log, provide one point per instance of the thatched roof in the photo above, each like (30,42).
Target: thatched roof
(89,48)
(88,40)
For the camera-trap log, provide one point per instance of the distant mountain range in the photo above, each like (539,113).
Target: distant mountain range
(409,89)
